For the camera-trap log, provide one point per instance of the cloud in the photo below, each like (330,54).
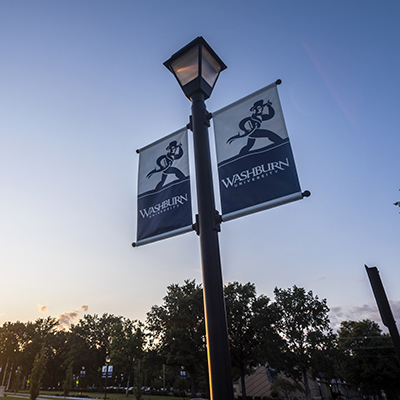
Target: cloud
(70,317)
(395,306)
(319,279)
(66,319)
(337,311)
(358,313)
(42,308)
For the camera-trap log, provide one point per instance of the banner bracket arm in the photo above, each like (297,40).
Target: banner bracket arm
(217,221)
(190,124)
(216,225)
(196,225)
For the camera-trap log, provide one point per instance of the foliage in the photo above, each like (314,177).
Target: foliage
(11,335)
(57,352)
(180,385)
(308,345)
(20,342)
(250,319)
(90,343)
(137,390)
(67,381)
(370,360)
(127,350)
(177,329)
(38,369)
(285,387)
(290,334)
(17,382)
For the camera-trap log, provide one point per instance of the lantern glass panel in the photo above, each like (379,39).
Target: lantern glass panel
(186,67)
(210,67)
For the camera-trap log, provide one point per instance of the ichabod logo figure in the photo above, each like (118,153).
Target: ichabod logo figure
(251,127)
(165,162)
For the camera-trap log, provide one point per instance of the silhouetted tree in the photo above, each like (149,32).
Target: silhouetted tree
(68,380)
(371,361)
(309,343)
(177,329)
(127,349)
(90,342)
(38,369)
(17,382)
(250,325)
(285,387)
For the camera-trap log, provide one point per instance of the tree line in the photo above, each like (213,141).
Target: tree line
(290,334)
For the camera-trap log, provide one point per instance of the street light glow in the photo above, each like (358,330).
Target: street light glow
(196,67)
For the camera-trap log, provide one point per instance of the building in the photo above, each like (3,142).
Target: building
(259,384)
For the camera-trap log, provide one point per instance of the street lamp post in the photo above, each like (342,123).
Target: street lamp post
(108,359)
(82,375)
(196,67)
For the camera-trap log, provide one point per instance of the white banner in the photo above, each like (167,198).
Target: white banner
(164,201)
(255,161)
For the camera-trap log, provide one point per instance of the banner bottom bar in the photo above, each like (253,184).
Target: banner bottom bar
(264,206)
(166,235)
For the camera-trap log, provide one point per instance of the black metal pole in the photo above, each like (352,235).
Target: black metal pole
(219,366)
(384,307)
(105,387)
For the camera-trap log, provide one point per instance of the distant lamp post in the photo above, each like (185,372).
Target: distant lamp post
(108,359)
(82,376)
(197,67)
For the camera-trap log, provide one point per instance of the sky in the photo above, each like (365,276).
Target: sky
(83,85)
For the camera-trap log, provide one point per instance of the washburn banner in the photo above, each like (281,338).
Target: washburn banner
(164,202)
(255,161)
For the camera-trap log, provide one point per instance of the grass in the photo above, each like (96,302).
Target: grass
(110,396)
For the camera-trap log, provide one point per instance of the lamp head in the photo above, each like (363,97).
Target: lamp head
(196,67)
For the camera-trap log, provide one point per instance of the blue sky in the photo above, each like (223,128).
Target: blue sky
(82,86)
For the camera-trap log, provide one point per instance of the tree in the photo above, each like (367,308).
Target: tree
(17,382)
(36,336)
(138,379)
(308,341)
(10,346)
(250,320)
(284,386)
(57,354)
(21,342)
(10,334)
(370,360)
(177,329)
(89,344)
(127,349)
(38,369)
(68,380)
